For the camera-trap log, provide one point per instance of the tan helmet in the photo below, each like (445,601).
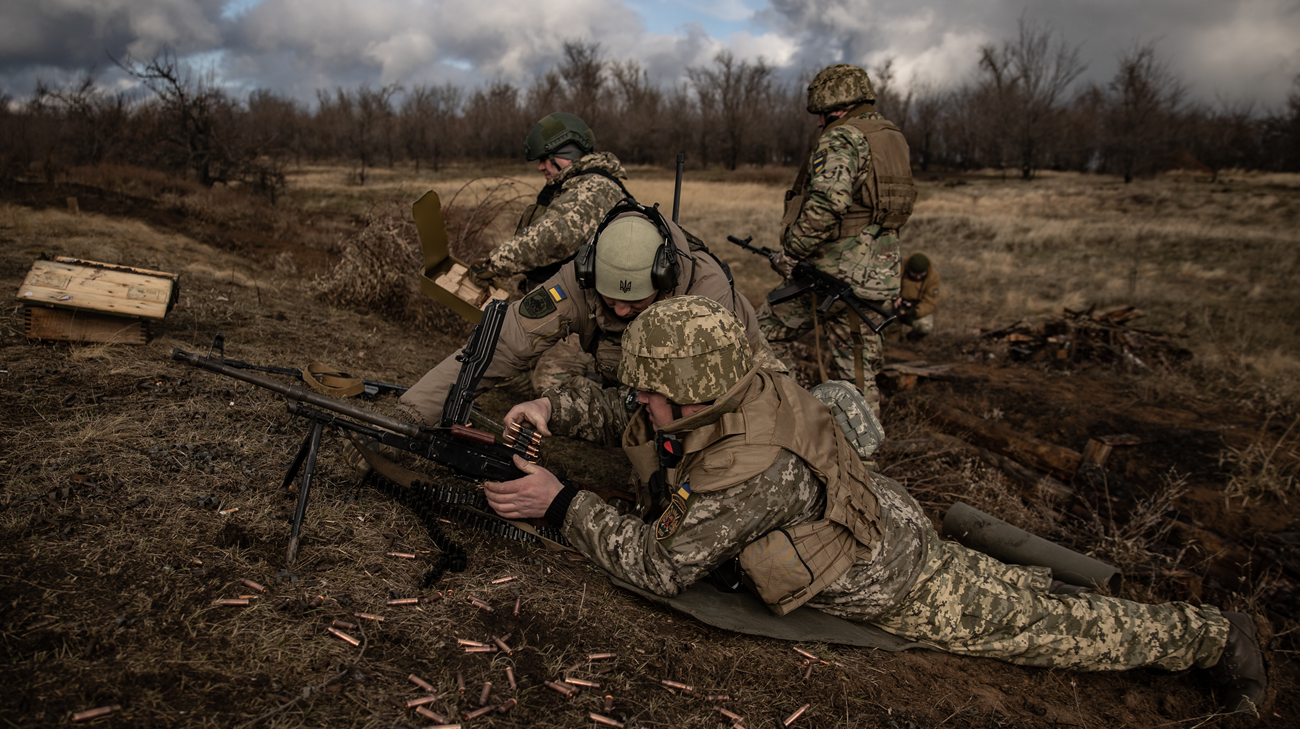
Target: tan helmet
(689,349)
(839,87)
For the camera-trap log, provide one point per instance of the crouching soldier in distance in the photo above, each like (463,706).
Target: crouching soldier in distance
(919,297)
(756,468)
(635,258)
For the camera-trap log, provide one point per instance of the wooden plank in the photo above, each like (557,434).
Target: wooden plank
(83,326)
(88,285)
(1057,460)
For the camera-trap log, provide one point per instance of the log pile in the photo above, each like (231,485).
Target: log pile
(1087,336)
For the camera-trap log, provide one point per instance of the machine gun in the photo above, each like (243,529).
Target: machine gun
(470,454)
(367,389)
(830,290)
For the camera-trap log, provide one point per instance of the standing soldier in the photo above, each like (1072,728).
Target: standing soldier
(849,200)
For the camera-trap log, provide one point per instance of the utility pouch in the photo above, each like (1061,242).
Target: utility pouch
(787,567)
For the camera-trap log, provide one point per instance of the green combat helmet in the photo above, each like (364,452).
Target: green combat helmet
(689,349)
(555,131)
(919,263)
(839,87)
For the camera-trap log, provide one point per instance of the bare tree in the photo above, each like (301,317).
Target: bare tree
(583,72)
(1029,77)
(429,117)
(1142,103)
(638,130)
(730,96)
(91,122)
(494,123)
(1222,136)
(361,122)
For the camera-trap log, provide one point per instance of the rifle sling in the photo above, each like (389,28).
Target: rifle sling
(405,477)
(328,381)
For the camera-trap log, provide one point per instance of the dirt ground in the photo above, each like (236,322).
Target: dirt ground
(138,492)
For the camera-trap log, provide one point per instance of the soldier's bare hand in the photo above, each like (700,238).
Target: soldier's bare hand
(535,413)
(524,498)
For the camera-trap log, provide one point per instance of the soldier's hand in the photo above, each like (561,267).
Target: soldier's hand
(536,413)
(523,498)
(481,273)
(783,264)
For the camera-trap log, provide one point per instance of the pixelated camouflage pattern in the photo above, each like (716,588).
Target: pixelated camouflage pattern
(790,320)
(838,86)
(561,363)
(855,417)
(689,349)
(583,409)
(860,254)
(555,233)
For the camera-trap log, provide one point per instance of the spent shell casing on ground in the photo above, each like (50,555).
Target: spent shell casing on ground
(403,555)
(503,580)
(340,634)
(253,585)
(478,712)
(483,695)
(502,645)
(430,714)
(420,682)
(807,673)
(734,717)
(510,676)
(602,719)
(404,601)
(481,605)
(676,685)
(89,714)
(233,602)
(609,702)
(507,706)
(806,654)
(422,700)
(460,681)
(518,601)
(565,689)
(369,616)
(720,697)
(344,625)
(581,682)
(480,649)
(797,713)
(600,656)
(474,643)
(316,601)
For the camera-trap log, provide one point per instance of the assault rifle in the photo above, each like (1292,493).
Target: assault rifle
(830,290)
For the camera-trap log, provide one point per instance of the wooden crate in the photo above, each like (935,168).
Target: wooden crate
(73,300)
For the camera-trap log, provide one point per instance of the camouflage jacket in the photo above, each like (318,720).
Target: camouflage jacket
(924,292)
(716,525)
(550,233)
(867,258)
(559,307)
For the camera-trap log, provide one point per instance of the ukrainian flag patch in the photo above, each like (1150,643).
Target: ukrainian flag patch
(672,517)
(818,163)
(557,293)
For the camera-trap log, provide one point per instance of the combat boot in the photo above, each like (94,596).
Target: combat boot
(1240,670)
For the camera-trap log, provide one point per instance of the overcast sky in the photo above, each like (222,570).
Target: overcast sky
(1239,50)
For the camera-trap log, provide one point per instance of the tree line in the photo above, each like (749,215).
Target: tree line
(1022,110)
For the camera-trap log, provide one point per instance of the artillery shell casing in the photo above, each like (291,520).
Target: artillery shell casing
(678,686)
(518,601)
(431,715)
(601,719)
(478,712)
(404,601)
(89,714)
(806,654)
(369,616)
(581,682)
(504,580)
(344,636)
(344,625)
(510,676)
(502,645)
(487,691)
(420,682)
(403,555)
(600,656)
(798,713)
(421,701)
(253,585)
(234,602)
(735,718)
(507,706)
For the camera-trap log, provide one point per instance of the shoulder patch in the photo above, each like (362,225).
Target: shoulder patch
(818,163)
(536,304)
(672,517)
(557,293)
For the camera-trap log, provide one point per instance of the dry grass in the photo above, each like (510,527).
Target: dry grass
(1265,468)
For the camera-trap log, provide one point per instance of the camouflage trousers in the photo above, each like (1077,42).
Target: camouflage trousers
(968,603)
(788,321)
(920,327)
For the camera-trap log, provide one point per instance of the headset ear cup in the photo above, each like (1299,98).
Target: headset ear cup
(584,265)
(663,273)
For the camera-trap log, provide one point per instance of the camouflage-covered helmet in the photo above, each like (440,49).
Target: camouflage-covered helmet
(555,131)
(689,349)
(839,87)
